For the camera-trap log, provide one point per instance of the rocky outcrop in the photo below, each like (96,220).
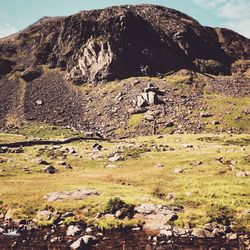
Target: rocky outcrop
(124,41)
(40,65)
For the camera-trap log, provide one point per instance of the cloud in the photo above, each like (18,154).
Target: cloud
(241,27)
(235,12)
(7,29)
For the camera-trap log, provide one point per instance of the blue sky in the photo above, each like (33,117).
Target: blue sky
(234,14)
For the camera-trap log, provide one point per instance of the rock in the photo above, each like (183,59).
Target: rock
(43,162)
(149,115)
(44,215)
(115,158)
(62,163)
(178,170)
(50,170)
(166,233)
(67,214)
(83,242)
(231,236)
(78,194)
(215,123)
(73,230)
(39,102)
(97,147)
(158,165)
(112,166)
(218,232)
(171,217)
(205,114)
(187,146)
(169,124)
(88,230)
(30,74)
(152,98)
(243,173)
(141,102)
(170,196)
(202,233)
(10,214)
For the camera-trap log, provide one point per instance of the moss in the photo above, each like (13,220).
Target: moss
(69,220)
(135,120)
(110,223)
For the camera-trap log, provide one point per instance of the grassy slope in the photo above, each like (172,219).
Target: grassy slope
(205,191)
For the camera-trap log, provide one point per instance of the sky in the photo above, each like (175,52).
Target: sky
(18,14)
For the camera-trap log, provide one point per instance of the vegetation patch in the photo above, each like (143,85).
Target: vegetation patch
(135,120)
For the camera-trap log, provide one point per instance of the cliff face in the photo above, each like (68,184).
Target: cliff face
(124,41)
(41,66)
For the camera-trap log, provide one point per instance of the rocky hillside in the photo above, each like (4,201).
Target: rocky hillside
(125,70)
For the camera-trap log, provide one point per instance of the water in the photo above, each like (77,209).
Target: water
(118,240)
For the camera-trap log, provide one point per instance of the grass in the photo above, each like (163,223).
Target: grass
(135,120)
(43,131)
(207,191)
(229,112)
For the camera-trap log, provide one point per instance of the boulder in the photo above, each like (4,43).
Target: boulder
(152,98)
(141,102)
(83,242)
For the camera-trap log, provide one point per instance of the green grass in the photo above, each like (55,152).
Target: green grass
(226,109)
(43,131)
(135,120)
(205,191)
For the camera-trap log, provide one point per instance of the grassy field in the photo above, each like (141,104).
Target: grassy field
(207,188)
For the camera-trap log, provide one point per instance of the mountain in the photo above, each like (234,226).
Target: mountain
(102,69)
